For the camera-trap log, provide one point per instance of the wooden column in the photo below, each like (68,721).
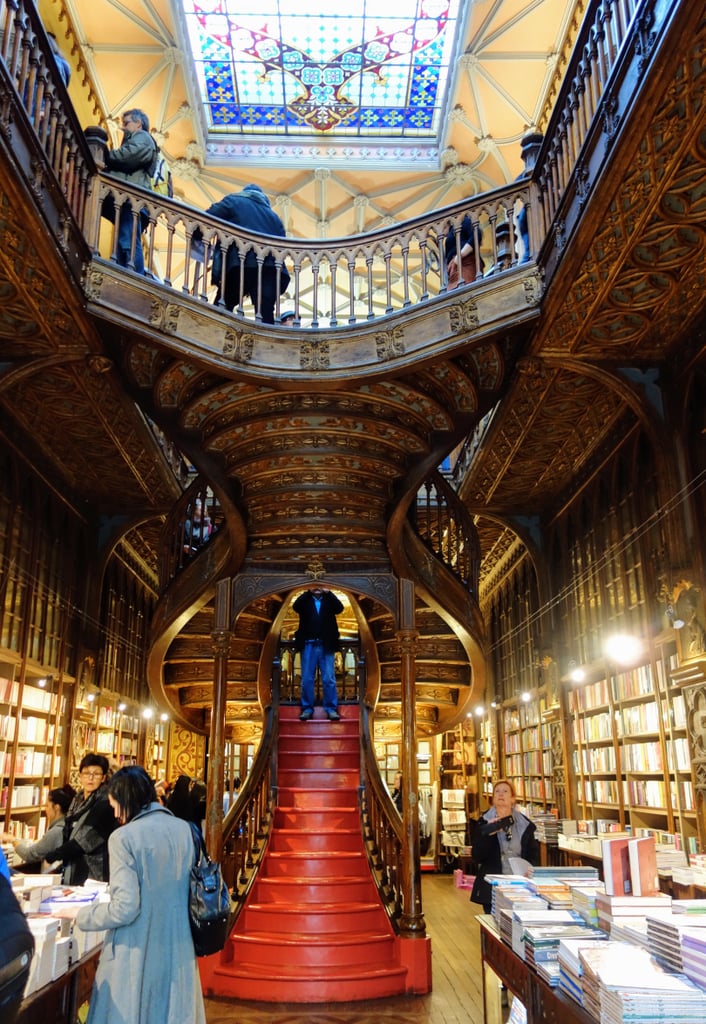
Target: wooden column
(221,637)
(412,924)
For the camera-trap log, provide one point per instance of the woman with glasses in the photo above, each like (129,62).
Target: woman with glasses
(147,973)
(89,822)
(502,832)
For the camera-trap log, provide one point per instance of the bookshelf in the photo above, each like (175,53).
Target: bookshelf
(32,747)
(487,759)
(527,754)
(632,761)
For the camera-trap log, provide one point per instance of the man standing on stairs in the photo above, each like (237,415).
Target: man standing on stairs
(317,640)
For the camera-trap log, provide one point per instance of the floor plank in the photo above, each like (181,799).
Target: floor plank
(456,996)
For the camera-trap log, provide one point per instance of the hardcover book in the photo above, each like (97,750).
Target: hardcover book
(642,856)
(616,866)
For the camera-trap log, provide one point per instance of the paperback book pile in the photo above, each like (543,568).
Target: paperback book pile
(542,947)
(557,894)
(630,929)
(584,901)
(522,920)
(693,953)
(630,985)
(547,826)
(609,907)
(570,969)
(664,934)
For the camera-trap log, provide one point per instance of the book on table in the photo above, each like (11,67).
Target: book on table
(642,856)
(616,866)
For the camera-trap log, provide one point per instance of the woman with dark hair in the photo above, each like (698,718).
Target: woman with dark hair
(147,973)
(179,800)
(58,803)
(502,832)
(89,822)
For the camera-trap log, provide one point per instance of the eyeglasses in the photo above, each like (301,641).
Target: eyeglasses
(90,773)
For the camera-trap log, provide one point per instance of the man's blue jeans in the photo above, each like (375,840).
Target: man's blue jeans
(125,223)
(313,657)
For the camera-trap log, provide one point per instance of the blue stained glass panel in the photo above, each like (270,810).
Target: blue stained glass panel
(286,67)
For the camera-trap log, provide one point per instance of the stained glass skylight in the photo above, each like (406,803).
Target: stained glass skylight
(296,69)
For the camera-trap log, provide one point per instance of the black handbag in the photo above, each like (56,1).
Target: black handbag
(209,900)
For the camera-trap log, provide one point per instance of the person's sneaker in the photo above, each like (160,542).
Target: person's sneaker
(306,716)
(333,716)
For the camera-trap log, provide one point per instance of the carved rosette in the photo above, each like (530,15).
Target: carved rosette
(390,344)
(463,316)
(314,355)
(238,346)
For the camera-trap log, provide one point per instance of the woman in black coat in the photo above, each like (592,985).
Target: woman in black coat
(502,832)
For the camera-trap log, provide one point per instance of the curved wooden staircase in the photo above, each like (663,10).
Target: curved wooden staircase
(314,928)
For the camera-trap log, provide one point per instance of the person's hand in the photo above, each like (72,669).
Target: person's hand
(452,265)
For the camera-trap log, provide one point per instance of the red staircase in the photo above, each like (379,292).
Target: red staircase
(313,928)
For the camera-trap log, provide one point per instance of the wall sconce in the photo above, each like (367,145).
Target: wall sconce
(526,696)
(674,619)
(164,717)
(576,673)
(479,711)
(148,713)
(121,707)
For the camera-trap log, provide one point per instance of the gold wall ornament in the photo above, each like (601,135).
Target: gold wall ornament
(316,569)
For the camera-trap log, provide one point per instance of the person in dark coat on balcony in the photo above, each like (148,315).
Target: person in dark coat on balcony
(249,209)
(317,640)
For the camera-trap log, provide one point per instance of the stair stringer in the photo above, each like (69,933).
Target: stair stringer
(313,928)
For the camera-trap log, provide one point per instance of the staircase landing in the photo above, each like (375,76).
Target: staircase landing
(313,929)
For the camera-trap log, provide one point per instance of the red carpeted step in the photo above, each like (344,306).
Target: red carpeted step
(280,984)
(313,865)
(313,919)
(315,840)
(295,797)
(306,949)
(323,818)
(319,760)
(314,778)
(343,888)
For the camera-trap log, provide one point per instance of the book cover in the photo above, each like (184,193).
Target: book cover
(616,866)
(642,855)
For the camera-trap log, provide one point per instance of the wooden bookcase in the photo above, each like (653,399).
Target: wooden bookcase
(33,713)
(526,750)
(632,761)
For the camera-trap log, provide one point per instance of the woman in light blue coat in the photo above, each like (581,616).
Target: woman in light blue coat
(147,973)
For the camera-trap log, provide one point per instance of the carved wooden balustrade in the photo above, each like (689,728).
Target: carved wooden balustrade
(336,283)
(441,520)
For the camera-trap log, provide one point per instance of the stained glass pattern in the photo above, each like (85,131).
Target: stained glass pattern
(284,68)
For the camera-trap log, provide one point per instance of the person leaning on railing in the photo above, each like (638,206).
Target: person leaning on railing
(133,162)
(467,269)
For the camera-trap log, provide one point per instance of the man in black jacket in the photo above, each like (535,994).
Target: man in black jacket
(317,639)
(249,209)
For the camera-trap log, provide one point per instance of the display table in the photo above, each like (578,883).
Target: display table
(58,1002)
(500,966)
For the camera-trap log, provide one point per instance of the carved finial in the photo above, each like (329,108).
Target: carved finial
(316,569)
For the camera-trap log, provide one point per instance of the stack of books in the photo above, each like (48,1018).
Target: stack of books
(665,935)
(583,899)
(541,945)
(627,984)
(693,954)
(609,907)
(547,826)
(522,920)
(570,969)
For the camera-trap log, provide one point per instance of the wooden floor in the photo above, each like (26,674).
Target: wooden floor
(456,996)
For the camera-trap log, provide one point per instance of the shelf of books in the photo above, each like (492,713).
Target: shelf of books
(32,747)
(487,760)
(631,753)
(526,751)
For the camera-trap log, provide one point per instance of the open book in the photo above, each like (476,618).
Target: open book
(520,866)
